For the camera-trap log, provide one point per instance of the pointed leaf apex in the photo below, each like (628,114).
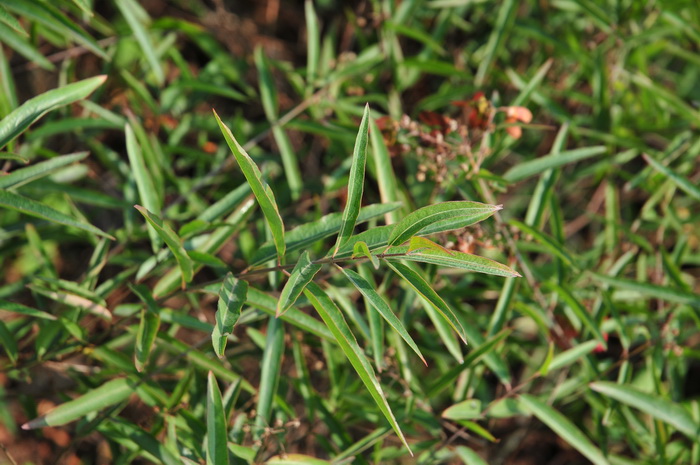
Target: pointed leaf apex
(497,207)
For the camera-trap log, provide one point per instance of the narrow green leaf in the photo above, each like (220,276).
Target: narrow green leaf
(424,289)
(53,19)
(173,242)
(504,22)
(538,165)
(268,304)
(269,373)
(135,17)
(306,234)
(360,249)
(473,212)
(658,407)
(150,448)
(232,296)
(144,181)
(23,45)
(570,356)
(564,428)
(260,188)
(466,410)
(683,183)
(651,290)
(149,324)
(454,259)
(28,174)
(217,452)
(8,342)
(313,43)
(22,117)
(333,318)
(544,369)
(76,301)
(580,311)
(384,171)
(148,329)
(355,183)
(297,459)
(7,18)
(547,241)
(110,393)
(382,307)
(303,272)
(24,310)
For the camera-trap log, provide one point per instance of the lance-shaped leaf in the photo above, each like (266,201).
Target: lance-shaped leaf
(360,249)
(333,318)
(564,428)
(471,212)
(424,289)
(658,407)
(110,393)
(232,296)
(173,242)
(32,207)
(30,173)
(303,272)
(306,234)
(217,452)
(22,117)
(355,182)
(260,188)
(454,259)
(382,307)
(684,183)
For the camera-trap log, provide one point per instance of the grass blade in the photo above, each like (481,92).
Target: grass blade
(110,393)
(303,272)
(547,242)
(173,242)
(355,183)
(313,44)
(32,207)
(151,448)
(504,21)
(217,452)
(538,165)
(471,212)
(366,289)
(683,183)
(269,373)
(426,291)
(8,342)
(148,327)
(28,174)
(135,15)
(662,409)
(580,311)
(564,428)
(260,188)
(21,118)
(232,296)
(454,259)
(333,318)
(652,290)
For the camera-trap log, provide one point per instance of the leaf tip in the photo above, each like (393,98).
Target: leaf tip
(497,207)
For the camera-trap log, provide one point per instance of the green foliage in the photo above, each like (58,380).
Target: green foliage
(434,229)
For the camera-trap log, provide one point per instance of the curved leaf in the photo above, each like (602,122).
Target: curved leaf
(260,188)
(173,242)
(663,409)
(217,452)
(424,289)
(27,174)
(564,428)
(22,117)
(471,212)
(454,259)
(110,393)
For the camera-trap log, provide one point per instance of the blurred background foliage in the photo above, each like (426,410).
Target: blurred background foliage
(591,356)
